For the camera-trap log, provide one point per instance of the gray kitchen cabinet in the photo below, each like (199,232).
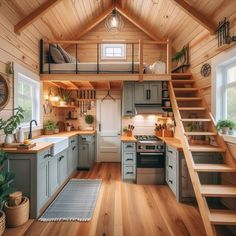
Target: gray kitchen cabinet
(177,175)
(128,165)
(128,99)
(86,151)
(53,175)
(148,93)
(72,154)
(62,166)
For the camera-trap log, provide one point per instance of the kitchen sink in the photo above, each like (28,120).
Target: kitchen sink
(59,143)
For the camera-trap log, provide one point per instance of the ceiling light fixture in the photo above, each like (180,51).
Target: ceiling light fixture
(114,22)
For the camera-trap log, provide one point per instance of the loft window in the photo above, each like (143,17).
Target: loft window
(113,51)
(27,95)
(229,92)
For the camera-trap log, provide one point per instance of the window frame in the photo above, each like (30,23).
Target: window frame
(23,74)
(104,46)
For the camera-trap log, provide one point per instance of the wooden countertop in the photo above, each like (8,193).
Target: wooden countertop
(174,142)
(42,146)
(39,147)
(125,138)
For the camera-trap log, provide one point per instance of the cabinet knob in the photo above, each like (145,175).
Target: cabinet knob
(73,148)
(170,181)
(171,166)
(129,173)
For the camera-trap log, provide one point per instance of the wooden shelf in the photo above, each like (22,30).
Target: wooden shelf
(67,118)
(86,99)
(66,106)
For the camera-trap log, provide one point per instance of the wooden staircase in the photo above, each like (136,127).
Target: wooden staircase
(189,107)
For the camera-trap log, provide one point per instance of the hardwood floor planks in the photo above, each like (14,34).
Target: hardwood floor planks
(125,209)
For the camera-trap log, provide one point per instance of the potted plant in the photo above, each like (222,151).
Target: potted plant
(5,189)
(49,127)
(225,126)
(9,126)
(65,96)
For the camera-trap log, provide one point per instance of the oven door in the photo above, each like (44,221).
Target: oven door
(150,160)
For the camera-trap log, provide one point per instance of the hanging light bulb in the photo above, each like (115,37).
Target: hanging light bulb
(114,22)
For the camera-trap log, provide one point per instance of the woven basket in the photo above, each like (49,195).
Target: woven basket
(2,222)
(17,215)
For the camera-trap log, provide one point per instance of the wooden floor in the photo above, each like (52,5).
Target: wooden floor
(124,209)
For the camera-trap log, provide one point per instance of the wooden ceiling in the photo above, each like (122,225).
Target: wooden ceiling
(66,19)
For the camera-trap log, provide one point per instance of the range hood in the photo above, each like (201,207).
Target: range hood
(150,109)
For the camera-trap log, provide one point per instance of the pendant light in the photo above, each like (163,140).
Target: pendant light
(114,22)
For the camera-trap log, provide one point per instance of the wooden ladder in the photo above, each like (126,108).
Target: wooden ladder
(189,106)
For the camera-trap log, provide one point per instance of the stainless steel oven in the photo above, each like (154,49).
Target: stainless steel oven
(150,160)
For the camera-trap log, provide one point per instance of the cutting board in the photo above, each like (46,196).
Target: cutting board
(19,145)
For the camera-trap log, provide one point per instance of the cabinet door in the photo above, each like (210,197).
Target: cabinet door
(53,175)
(74,157)
(141,91)
(128,99)
(62,166)
(92,153)
(84,155)
(155,93)
(43,190)
(70,160)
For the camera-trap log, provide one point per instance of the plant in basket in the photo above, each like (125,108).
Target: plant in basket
(49,127)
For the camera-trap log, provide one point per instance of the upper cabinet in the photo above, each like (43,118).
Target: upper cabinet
(128,99)
(148,93)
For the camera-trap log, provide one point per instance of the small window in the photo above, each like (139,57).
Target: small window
(27,96)
(113,51)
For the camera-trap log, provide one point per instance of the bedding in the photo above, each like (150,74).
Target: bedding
(90,67)
(56,54)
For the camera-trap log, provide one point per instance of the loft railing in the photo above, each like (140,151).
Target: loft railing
(140,44)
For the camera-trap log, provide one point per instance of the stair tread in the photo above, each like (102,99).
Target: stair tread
(218,190)
(185,89)
(192,108)
(188,98)
(200,133)
(180,75)
(213,168)
(205,148)
(190,81)
(195,119)
(223,217)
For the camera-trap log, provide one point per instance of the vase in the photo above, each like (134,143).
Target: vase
(225,130)
(20,135)
(9,138)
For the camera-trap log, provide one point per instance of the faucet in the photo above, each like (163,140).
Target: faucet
(30,131)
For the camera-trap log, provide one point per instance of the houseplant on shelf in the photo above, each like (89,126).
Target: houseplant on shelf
(65,96)
(49,127)
(225,126)
(5,190)
(9,126)
(89,119)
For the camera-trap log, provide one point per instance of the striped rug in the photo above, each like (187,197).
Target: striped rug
(76,201)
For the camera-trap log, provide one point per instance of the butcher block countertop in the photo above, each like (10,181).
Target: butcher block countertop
(174,142)
(42,146)
(125,138)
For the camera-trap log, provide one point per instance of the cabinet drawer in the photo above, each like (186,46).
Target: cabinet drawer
(129,172)
(129,158)
(171,163)
(172,182)
(171,152)
(86,138)
(73,140)
(129,147)
(44,155)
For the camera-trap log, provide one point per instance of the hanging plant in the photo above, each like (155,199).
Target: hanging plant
(89,119)
(180,55)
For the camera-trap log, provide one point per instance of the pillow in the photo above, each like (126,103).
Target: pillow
(56,55)
(158,67)
(68,58)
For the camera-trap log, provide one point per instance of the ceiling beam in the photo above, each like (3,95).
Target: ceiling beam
(135,21)
(35,15)
(197,16)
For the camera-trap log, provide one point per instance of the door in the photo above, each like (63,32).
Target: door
(108,131)
(155,93)
(141,93)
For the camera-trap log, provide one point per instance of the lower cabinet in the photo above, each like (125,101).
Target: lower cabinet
(86,151)
(73,154)
(177,175)
(128,161)
(53,175)
(62,166)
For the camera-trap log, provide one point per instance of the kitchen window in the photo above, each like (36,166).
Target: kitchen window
(27,94)
(113,51)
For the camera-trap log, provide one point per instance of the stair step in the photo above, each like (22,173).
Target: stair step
(213,168)
(201,133)
(218,190)
(185,89)
(205,148)
(185,81)
(195,120)
(192,108)
(223,217)
(181,75)
(188,98)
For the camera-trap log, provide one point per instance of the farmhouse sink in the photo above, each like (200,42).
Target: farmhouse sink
(59,143)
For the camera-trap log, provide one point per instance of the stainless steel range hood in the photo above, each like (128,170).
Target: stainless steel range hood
(148,109)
